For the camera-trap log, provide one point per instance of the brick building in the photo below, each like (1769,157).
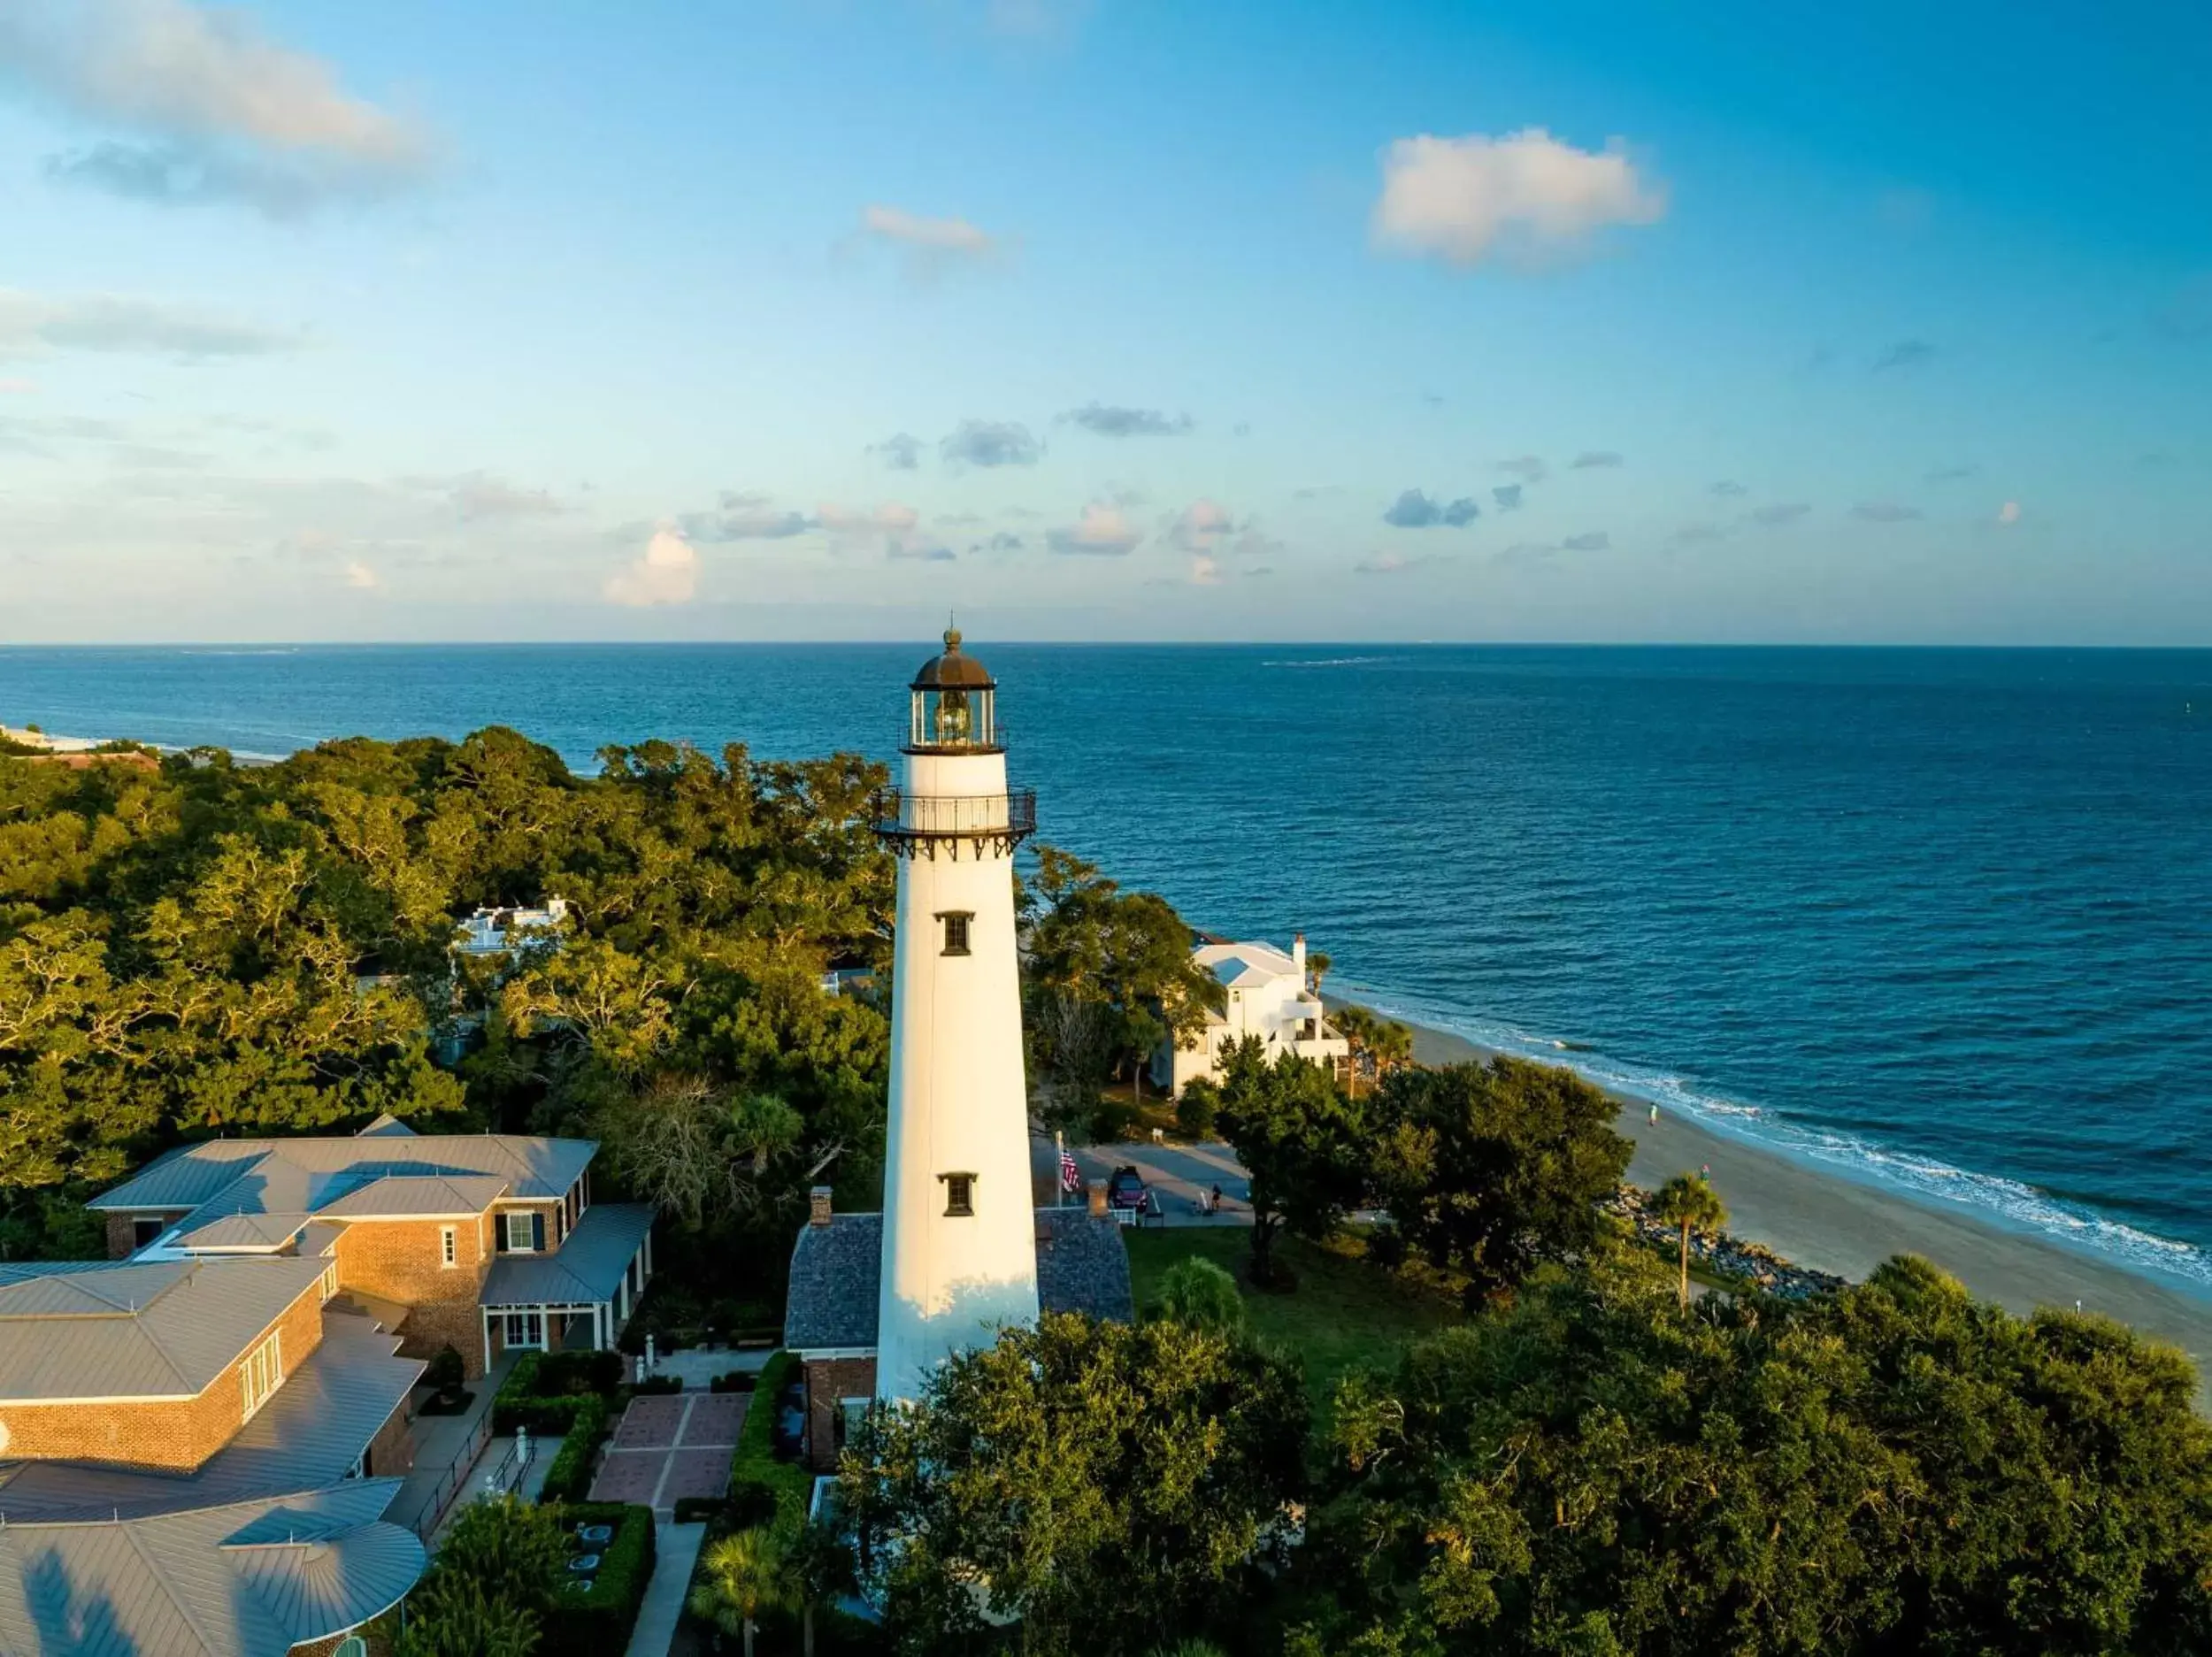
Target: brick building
(485,1242)
(195,1457)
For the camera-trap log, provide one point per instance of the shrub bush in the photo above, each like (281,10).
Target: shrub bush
(598,1623)
(763,1490)
(691,1509)
(1114,1120)
(544,1390)
(560,1374)
(445,1370)
(1194,1109)
(657,1384)
(734,1381)
(568,1478)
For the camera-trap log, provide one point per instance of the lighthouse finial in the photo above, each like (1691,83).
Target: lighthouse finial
(952,633)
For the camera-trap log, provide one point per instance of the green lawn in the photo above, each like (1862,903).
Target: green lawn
(1345,1313)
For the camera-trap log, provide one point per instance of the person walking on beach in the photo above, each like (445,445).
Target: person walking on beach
(1654,1115)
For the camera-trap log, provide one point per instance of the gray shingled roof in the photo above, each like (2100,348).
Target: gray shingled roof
(79,1329)
(309,1434)
(836,1273)
(586,1269)
(419,1196)
(252,1579)
(321,1170)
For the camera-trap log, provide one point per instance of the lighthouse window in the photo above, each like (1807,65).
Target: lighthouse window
(956,929)
(959,1194)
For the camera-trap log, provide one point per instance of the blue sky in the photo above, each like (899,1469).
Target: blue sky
(818,320)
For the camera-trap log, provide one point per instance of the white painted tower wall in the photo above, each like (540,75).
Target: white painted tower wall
(959,1098)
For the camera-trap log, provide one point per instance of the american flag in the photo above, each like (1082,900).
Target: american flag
(1071,1176)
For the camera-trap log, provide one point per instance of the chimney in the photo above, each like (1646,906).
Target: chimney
(1098,1200)
(1298,955)
(818,1205)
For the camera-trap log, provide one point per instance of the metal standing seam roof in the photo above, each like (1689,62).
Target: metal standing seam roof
(126,1329)
(250,1579)
(586,1269)
(244,1230)
(310,1433)
(419,1196)
(192,1174)
(836,1274)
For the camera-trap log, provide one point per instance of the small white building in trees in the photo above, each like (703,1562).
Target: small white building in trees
(1265,993)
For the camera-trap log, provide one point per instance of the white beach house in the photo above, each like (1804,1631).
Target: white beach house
(1265,993)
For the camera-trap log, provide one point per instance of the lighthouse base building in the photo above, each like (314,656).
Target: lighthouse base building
(836,1279)
(959,1250)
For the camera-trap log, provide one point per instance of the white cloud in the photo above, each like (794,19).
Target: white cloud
(1101,530)
(32,324)
(666,573)
(1205,572)
(929,244)
(1528,468)
(359,576)
(474,496)
(1200,526)
(219,113)
(2009,514)
(1525,196)
(891,517)
(17,388)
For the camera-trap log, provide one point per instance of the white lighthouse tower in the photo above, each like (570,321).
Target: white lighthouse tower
(959,1237)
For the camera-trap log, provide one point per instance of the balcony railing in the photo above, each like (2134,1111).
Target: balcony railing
(917,825)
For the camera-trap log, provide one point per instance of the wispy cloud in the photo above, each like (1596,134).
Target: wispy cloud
(667,572)
(30,323)
(1905,354)
(991,443)
(1781,512)
(900,451)
(1698,533)
(1526,196)
(1596,458)
(1528,468)
(1109,420)
(1201,526)
(1727,487)
(1387,564)
(1885,512)
(217,112)
(475,495)
(1103,530)
(744,517)
(2009,514)
(14,387)
(1414,509)
(929,246)
(1589,540)
(892,518)
(1508,497)
(359,576)
(921,551)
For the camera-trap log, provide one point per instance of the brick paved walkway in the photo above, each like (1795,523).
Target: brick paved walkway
(670,1445)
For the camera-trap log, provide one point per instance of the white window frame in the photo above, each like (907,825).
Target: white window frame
(330,1280)
(262,1372)
(528,1243)
(449,1247)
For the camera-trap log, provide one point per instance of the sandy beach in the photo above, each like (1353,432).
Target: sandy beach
(1828,1220)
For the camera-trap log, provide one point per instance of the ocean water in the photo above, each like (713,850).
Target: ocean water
(1938,919)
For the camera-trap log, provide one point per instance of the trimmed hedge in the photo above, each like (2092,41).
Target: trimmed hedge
(691,1509)
(597,1623)
(568,1478)
(735,1381)
(657,1384)
(763,1490)
(545,1390)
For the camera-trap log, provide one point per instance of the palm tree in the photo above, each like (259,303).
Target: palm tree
(1316,968)
(745,1575)
(1689,1202)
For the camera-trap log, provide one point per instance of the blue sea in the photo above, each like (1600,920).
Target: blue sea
(1938,919)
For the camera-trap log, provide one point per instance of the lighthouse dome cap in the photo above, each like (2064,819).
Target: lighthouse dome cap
(954,670)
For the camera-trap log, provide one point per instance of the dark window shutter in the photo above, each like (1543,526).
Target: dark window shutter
(537,1229)
(499,1232)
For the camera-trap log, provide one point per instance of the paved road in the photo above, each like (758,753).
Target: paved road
(1178,1172)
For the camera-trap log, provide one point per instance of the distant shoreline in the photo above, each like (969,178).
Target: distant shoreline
(1833,1223)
